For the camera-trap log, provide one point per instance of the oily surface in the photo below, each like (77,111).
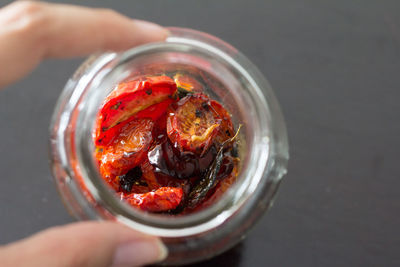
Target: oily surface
(334,66)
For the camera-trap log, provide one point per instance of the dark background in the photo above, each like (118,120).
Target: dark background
(334,66)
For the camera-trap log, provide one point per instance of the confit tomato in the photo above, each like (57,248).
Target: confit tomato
(154,112)
(195,122)
(127,100)
(149,175)
(162,199)
(226,130)
(170,161)
(128,149)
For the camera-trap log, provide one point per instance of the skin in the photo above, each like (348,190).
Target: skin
(34,31)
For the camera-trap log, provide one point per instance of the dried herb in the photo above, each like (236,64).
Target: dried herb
(207,182)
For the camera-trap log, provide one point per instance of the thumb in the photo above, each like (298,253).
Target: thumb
(85,244)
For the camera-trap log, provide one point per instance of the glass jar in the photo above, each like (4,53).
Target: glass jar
(233,80)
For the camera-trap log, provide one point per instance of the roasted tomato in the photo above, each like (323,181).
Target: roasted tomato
(162,199)
(128,149)
(149,175)
(195,121)
(226,129)
(127,100)
(169,161)
(153,112)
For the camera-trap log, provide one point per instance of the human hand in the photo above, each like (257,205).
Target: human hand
(81,244)
(33,31)
(29,33)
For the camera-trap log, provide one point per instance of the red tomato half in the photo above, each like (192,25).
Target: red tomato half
(226,129)
(127,100)
(162,199)
(128,149)
(196,122)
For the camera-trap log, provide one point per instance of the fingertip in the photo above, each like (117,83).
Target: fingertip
(139,252)
(163,251)
(150,32)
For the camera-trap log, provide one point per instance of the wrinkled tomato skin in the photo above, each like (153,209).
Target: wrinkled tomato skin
(196,122)
(128,149)
(192,124)
(170,161)
(149,176)
(226,130)
(129,99)
(154,112)
(162,199)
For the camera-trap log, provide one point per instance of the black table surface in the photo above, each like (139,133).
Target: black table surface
(334,66)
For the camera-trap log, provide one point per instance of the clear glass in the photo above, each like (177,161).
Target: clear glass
(233,80)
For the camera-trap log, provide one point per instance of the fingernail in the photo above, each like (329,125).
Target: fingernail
(151,28)
(139,253)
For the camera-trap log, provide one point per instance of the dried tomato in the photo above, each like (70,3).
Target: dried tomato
(226,130)
(162,199)
(192,124)
(170,161)
(129,99)
(149,175)
(128,149)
